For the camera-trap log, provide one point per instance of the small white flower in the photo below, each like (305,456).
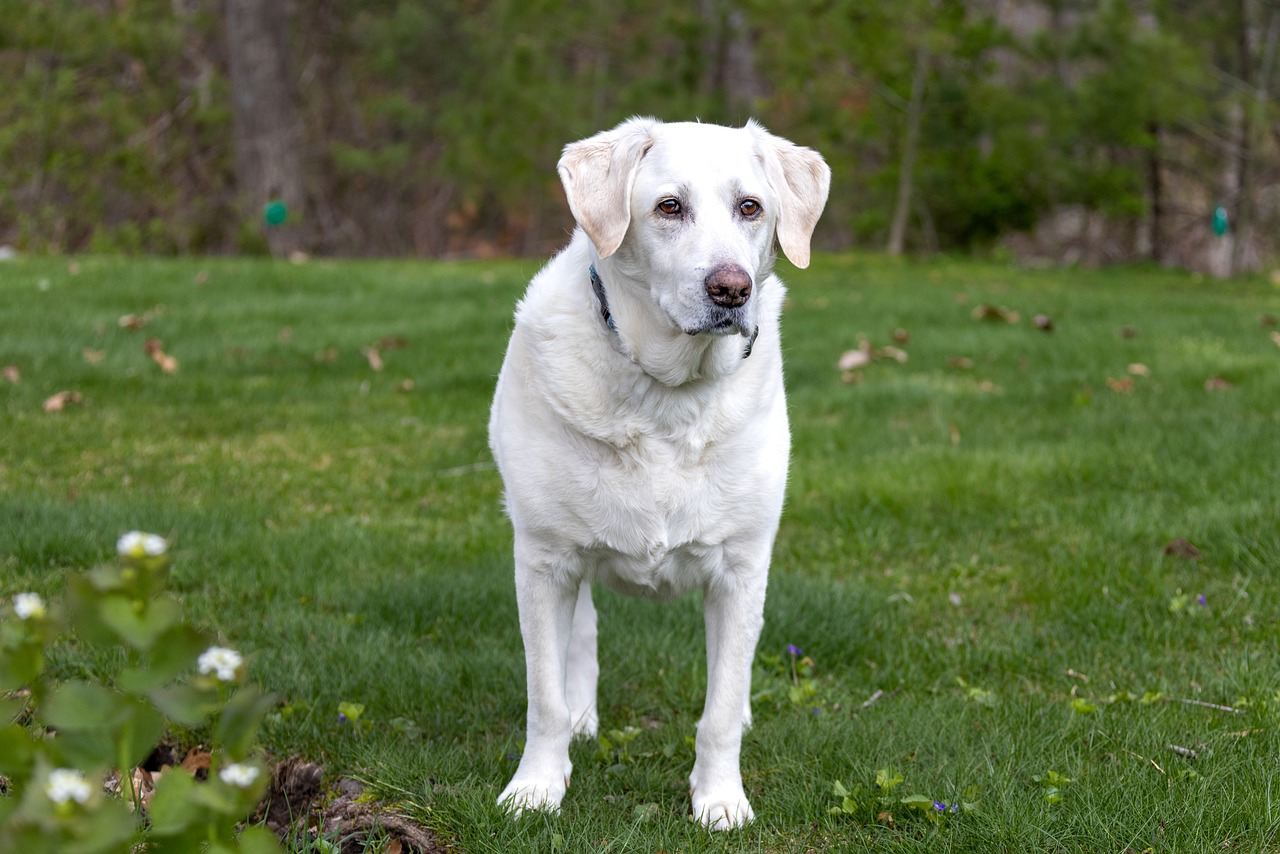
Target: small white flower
(238,775)
(66,784)
(137,544)
(130,545)
(28,606)
(221,661)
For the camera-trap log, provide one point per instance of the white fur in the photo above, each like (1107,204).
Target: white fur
(652,459)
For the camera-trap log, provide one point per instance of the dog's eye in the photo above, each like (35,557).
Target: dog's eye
(670,207)
(749,208)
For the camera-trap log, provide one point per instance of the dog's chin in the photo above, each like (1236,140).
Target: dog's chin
(719,325)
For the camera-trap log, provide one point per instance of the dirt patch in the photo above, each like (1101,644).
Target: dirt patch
(299,806)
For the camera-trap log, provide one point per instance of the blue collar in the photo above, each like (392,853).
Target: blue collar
(598,286)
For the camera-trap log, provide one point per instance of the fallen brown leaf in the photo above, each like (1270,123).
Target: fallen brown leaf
(963,363)
(61,400)
(1124,385)
(12,374)
(392,342)
(1138,369)
(1128,332)
(153,347)
(131,321)
(197,761)
(996,313)
(1268,320)
(94,357)
(901,336)
(1182,548)
(374,357)
(851,359)
(1216,384)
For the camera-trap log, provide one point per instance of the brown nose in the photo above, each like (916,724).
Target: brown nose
(728,285)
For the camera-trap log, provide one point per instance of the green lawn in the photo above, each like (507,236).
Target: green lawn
(975,547)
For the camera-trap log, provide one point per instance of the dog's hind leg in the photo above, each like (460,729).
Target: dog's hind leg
(583,669)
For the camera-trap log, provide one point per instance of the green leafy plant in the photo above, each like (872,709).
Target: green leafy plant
(60,738)
(1053,784)
(883,803)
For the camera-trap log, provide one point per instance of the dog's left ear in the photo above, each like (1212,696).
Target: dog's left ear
(802,179)
(598,174)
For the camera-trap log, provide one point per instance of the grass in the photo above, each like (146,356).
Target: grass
(981,542)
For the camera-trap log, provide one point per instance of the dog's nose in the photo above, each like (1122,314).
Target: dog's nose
(728,285)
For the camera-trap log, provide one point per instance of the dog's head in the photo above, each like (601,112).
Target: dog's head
(693,210)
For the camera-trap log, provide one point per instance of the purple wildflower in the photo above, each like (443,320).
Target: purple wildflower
(1200,599)
(955,807)
(939,806)
(342,717)
(794,650)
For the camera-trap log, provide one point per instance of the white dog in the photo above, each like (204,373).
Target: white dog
(640,425)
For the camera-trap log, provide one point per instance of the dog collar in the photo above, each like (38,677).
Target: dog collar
(598,286)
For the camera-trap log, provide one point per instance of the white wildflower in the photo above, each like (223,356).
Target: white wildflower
(136,544)
(28,606)
(238,775)
(66,784)
(221,661)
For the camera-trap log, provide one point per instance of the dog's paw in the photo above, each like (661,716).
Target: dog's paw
(723,812)
(524,793)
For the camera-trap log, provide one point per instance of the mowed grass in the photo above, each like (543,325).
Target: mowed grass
(972,554)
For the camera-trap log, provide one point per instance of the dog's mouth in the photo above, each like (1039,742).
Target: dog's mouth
(720,323)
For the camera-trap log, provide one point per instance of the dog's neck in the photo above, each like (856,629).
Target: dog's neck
(661,350)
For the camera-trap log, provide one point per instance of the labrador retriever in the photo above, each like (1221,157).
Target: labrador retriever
(640,424)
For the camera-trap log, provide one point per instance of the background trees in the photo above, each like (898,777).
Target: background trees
(1073,130)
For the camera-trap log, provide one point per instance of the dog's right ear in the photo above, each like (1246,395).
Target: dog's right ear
(598,173)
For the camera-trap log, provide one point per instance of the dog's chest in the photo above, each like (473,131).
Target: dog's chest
(662,515)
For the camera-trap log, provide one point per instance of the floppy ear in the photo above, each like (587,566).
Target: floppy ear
(802,179)
(598,173)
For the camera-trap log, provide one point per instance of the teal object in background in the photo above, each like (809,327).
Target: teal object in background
(1220,221)
(275,212)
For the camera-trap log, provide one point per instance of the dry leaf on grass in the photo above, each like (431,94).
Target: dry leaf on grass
(1268,320)
(1182,548)
(12,374)
(94,357)
(374,357)
(1138,369)
(1275,338)
(996,313)
(61,400)
(1128,332)
(962,363)
(135,322)
(1216,384)
(1124,385)
(153,347)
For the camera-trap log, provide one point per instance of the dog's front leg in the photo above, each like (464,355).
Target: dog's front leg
(546,615)
(734,614)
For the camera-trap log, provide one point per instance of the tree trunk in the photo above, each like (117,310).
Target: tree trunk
(729,71)
(906,171)
(266,134)
(1155,187)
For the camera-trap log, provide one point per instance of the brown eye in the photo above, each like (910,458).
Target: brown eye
(670,207)
(749,208)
